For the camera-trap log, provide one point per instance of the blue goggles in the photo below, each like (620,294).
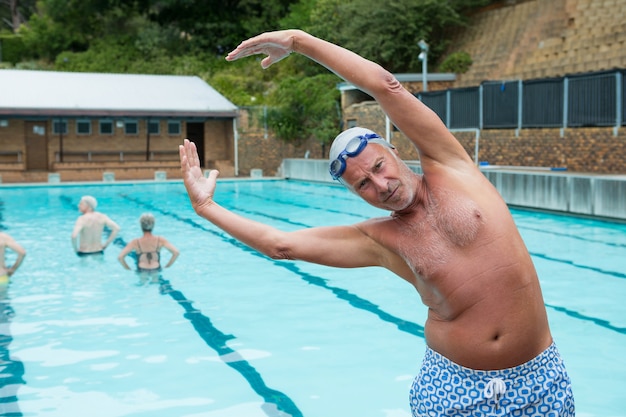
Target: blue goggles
(354,147)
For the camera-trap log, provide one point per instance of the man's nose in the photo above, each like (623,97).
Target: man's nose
(380,183)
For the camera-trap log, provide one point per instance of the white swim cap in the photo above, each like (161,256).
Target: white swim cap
(341,141)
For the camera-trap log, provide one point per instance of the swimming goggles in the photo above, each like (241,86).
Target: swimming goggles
(354,147)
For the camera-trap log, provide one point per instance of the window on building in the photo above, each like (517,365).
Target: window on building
(106,127)
(173,127)
(83,127)
(131,127)
(59,127)
(154,127)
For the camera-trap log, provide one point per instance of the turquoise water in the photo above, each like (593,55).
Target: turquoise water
(233,333)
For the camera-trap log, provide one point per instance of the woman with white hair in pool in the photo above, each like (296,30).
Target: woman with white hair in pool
(147,250)
(89,229)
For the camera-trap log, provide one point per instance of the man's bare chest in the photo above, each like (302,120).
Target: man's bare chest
(430,238)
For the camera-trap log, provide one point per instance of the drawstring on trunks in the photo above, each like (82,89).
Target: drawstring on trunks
(494,388)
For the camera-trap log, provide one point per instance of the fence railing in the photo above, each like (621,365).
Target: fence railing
(581,100)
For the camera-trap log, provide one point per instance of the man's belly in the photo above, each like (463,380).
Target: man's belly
(479,340)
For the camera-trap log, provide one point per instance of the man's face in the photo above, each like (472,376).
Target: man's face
(380,178)
(83,207)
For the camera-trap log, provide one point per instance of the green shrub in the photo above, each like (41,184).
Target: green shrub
(12,48)
(456,62)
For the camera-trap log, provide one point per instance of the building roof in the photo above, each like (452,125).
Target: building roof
(51,93)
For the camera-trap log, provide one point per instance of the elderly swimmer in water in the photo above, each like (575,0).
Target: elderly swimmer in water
(88,230)
(147,251)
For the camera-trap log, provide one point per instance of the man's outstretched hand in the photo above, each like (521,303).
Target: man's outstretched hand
(199,188)
(276,45)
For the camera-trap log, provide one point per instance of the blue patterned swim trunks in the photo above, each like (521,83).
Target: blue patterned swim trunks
(539,387)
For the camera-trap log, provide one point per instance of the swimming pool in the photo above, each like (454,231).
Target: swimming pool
(233,333)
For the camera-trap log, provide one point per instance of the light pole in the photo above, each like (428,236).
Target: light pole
(423,56)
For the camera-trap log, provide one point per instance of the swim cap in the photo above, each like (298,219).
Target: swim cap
(342,140)
(90,201)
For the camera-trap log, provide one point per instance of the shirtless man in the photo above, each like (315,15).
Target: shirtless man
(89,228)
(450,235)
(6,241)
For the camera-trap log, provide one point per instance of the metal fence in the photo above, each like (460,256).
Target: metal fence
(581,100)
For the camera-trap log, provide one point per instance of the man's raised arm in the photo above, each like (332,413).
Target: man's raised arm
(420,124)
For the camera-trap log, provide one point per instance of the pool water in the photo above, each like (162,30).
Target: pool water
(230,332)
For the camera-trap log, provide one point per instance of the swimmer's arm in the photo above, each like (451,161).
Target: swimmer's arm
(21,254)
(78,226)
(436,145)
(339,246)
(345,247)
(114,230)
(127,249)
(172,249)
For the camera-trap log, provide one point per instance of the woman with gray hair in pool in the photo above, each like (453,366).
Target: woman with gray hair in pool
(147,250)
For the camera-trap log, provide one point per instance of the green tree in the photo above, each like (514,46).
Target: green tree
(244,82)
(299,15)
(388,33)
(72,25)
(457,62)
(192,36)
(218,26)
(13,13)
(304,108)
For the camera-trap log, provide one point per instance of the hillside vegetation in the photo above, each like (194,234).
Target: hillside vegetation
(191,37)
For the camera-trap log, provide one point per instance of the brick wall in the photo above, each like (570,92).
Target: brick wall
(258,149)
(75,167)
(585,150)
(95,142)
(526,39)
(588,150)
(258,152)
(15,129)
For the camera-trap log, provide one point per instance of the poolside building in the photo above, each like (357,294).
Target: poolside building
(80,126)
